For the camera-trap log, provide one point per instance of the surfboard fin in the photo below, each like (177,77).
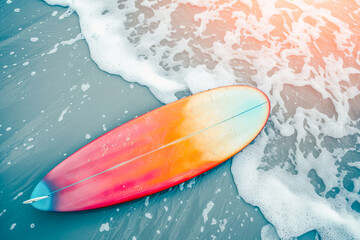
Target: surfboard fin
(35,199)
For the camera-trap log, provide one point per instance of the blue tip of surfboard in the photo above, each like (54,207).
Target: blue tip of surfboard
(42,190)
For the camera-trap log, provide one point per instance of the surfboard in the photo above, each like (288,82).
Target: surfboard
(155,151)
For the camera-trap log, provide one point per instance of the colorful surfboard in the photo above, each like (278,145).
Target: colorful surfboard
(155,151)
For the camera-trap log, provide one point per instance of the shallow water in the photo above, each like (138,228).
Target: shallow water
(53,104)
(303,54)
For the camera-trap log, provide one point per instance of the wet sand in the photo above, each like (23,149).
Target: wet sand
(54,100)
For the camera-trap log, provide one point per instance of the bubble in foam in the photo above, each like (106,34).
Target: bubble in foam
(12,226)
(206,211)
(85,87)
(104,227)
(268,232)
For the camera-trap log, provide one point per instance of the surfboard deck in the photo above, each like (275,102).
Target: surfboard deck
(156,151)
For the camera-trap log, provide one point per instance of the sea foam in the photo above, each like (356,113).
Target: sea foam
(302,170)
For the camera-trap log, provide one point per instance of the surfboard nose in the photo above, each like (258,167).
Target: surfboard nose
(42,190)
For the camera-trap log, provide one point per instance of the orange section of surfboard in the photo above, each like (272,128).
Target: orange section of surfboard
(157,150)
